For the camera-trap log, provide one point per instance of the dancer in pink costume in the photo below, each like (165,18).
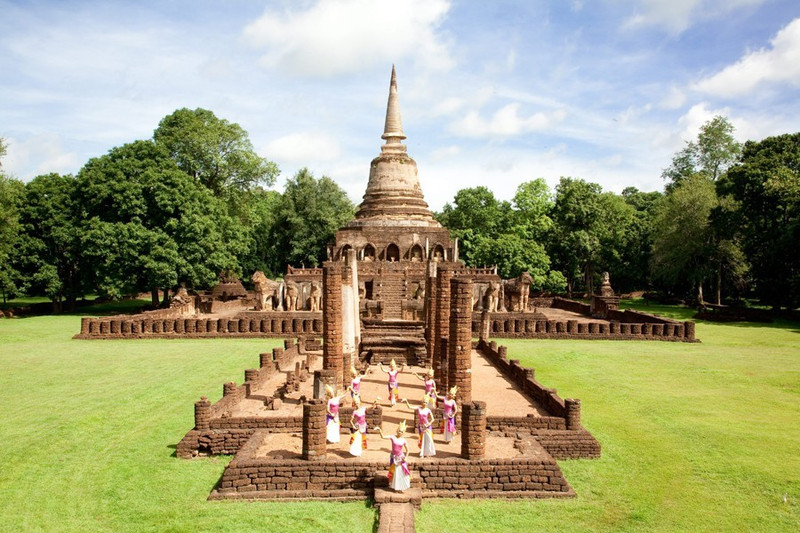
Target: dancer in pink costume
(430,388)
(450,411)
(358,441)
(424,429)
(399,474)
(392,385)
(332,425)
(355,382)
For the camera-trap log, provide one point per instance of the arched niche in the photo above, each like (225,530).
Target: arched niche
(368,253)
(392,253)
(416,253)
(438,252)
(343,252)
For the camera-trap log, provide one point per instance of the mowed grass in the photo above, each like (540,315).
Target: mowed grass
(88,430)
(695,437)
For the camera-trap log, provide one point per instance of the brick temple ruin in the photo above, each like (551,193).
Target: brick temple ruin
(397,254)
(392,289)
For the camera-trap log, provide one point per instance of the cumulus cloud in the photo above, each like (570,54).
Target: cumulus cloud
(780,63)
(340,37)
(40,154)
(303,148)
(505,122)
(675,16)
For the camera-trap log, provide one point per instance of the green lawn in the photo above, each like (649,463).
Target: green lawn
(695,436)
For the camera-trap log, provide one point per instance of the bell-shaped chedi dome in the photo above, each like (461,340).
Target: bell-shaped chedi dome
(393,197)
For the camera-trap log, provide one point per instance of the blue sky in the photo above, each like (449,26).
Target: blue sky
(492,92)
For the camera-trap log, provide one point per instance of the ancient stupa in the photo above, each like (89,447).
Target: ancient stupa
(393,222)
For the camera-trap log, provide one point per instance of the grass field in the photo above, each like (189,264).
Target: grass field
(695,436)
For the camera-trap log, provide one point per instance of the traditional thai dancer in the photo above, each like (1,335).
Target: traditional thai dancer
(358,440)
(393,372)
(450,410)
(430,388)
(332,426)
(399,475)
(424,428)
(355,382)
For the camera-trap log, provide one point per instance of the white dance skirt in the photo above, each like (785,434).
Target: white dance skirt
(427,449)
(333,431)
(400,481)
(355,447)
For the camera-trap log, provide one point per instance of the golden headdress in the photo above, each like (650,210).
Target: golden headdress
(401,428)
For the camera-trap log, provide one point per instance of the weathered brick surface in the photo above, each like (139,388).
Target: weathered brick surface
(264,477)
(245,324)
(459,356)
(332,358)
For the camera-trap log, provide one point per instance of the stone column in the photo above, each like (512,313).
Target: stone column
(442,325)
(573,413)
(314,444)
(332,317)
(349,311)
(459,357)
(430,310)
(473,430)
(485,326)
(228,388)
(688,330)
(202,414)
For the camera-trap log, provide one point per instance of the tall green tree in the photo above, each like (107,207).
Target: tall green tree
(766,189)
(627,247)
(714,151)
(49,252)
(578,231)
(307,217)
(533,204)
(683,242)
(12,193)
(475,215)
(149,225)
(216,152)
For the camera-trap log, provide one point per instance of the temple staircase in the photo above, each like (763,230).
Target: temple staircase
(401,340)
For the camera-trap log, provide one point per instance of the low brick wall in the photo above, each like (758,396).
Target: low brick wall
(524,378)
(637,326)
(248,476)
(247,324)
(561,433)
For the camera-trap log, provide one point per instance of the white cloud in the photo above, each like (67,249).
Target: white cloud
(677,15)
(445,152)
(40,154)
(340,37)
(778,64)
(674,99)
(505,122)
(303,148)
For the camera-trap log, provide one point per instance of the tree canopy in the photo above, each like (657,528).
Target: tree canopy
(216,152)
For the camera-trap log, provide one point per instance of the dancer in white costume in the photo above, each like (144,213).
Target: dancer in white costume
(355,382)
(430,388)
(399,474)
(424,428)
(358,440)
(450,410)
(392,384)
(332,425)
